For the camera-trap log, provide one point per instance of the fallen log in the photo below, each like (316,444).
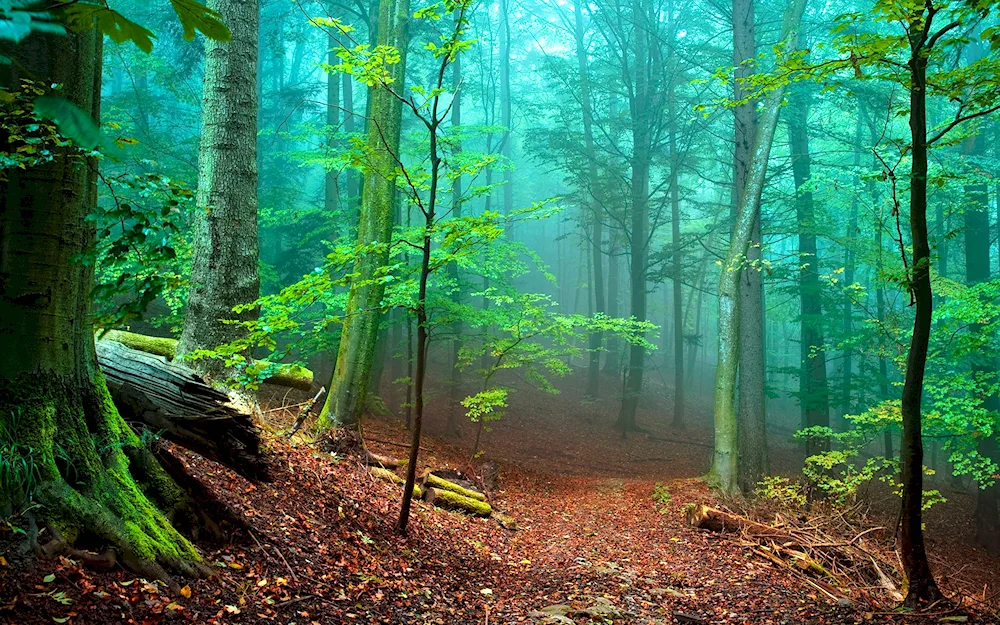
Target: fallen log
(293,376)
(451,500)
(389,476)
(431,480)
(173,401)
(388,462)
(716,520)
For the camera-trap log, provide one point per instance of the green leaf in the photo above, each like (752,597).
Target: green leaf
(72,121)
(48,579)
(195,16)
(81,17)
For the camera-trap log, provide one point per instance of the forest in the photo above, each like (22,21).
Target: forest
(500,311)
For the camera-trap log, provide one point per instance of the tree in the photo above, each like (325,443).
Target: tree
(725,461)
(813,395)
(224,272)
(92,475)
(356,353)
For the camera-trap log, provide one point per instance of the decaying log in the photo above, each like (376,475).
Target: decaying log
(389,476)
(431,480)
(388,462)
(453,501)
(293,376)
(716,520)
(173,401)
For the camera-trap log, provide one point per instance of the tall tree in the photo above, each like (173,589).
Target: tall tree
(355,356)
(596,206)
(725,462)
(751,435)
(93,476)
(813,392)
(225,252)
(676,271)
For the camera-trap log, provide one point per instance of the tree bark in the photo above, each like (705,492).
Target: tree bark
(921,586)
(224,272)
(641,122)
(751,423)
(455,413)
(92,474)
(984,366)
(355,356)
(725,465)
(596,205)
(813,391)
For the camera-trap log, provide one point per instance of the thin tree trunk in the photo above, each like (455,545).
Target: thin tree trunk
(677,273)
(455,385)
(506,143)
(813,391)
(596,206)
(921,586)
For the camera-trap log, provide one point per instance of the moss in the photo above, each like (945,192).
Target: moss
(438,482)
(160,346)
(96,478)
(294,376)
(451,499)
(389,476)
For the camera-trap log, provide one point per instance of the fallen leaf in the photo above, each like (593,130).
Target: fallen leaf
(186,592)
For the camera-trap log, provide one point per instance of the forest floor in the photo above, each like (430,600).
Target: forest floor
(317,545)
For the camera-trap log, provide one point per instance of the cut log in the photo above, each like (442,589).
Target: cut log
(293,376)
(442,484)
(371,458)
(453,501)
(389,476)
(173,401)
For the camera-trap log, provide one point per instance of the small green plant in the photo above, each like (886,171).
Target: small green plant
(782,491)
(20,469)
(662,496)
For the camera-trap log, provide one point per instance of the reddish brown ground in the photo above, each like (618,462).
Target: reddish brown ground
(319,545)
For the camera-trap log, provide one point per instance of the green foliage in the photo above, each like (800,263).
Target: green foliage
(662,497)
(781,491)
(139,233)
(83,16)
(20,464)
(32,139)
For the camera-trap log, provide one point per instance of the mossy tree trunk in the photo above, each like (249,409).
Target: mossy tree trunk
(224,269)
(96,481)
(725,466)
(356,354)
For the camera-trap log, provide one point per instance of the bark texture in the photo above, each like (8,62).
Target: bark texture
(92,474)
(346,399)
(224,268)
(724,471)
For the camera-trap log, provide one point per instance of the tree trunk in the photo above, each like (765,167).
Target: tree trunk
(813,392)
(346,400)
(675,236)
(90,472)
(597,206)
(639,207)
(612,362)
(725,465)
(331,195)
(225,253)
(506,143)
(977,271)
(751,424)
(921,586)
(455,408)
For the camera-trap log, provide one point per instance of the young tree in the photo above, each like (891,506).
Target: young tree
(224,272)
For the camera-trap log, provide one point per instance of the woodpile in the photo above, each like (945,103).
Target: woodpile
(847,571)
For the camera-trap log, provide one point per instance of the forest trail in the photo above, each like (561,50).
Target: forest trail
(592,544)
